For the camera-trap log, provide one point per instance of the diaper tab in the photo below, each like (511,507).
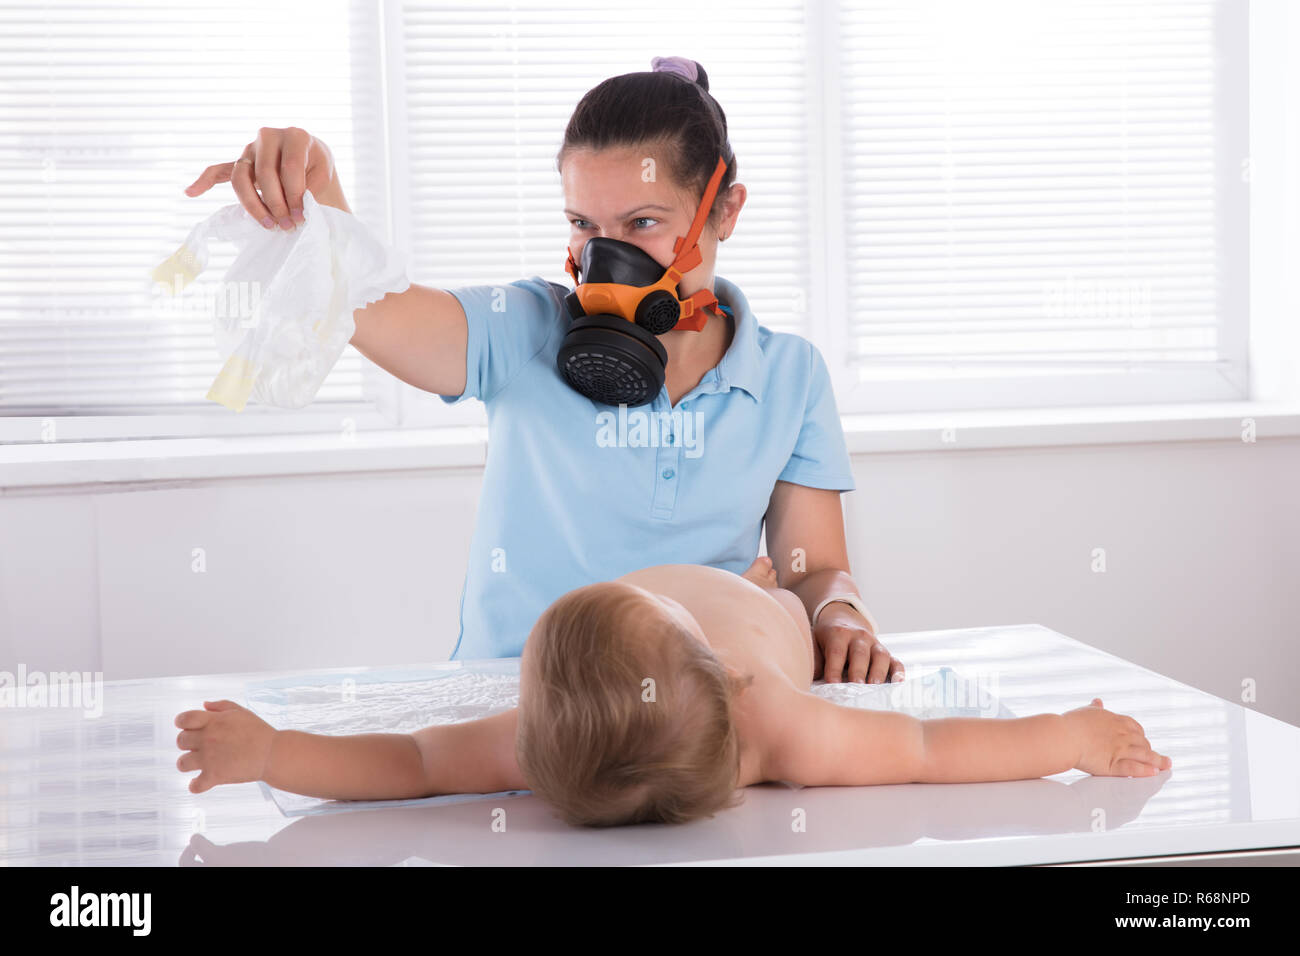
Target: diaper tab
(191,258)
(233,385)
(184,264)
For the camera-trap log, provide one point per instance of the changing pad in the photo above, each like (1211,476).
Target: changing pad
(406,699)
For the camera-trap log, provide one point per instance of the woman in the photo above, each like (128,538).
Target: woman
(743,430)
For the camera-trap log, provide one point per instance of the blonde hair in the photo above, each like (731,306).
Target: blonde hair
(589,741)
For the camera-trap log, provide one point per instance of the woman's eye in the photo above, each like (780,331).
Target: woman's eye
(583,224)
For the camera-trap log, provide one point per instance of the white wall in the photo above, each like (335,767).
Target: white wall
(299,572)
(1201,539)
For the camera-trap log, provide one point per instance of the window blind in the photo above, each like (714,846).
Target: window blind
(994,202)
(1039,193)
(489,88)
(107,111)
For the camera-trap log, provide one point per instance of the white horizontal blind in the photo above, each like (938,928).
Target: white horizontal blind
(1027,193)
(1043,195)
(107,111)
(489,88)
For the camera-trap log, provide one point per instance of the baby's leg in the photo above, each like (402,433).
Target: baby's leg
(761,572)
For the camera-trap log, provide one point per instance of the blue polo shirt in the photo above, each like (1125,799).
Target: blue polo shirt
(575,491)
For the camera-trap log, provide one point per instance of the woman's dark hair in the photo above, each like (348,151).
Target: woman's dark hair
(663,109)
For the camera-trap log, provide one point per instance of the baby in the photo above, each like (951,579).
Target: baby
(654,697)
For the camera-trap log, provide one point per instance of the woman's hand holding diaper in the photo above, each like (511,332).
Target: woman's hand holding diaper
(269,178)
(1112,745)
(226,742)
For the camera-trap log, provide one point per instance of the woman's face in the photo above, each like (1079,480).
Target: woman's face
(627,194)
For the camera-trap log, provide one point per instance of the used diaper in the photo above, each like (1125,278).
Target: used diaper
(302,288)
(400,701)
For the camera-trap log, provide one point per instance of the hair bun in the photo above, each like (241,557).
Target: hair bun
(682,67)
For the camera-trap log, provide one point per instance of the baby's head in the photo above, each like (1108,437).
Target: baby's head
(624,712)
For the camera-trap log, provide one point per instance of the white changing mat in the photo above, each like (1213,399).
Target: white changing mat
(403,700)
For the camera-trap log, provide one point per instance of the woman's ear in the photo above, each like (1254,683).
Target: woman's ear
(732,205)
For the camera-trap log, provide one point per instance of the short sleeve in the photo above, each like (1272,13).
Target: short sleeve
(507,326)
(820,458)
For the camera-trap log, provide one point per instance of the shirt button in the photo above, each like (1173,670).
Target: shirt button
(668,472)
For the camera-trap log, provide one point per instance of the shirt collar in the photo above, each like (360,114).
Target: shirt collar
(741,366)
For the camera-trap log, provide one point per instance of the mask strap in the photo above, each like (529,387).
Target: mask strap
(689,256)
(686,247)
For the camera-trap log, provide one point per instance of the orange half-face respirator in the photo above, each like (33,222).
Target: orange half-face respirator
(611,352)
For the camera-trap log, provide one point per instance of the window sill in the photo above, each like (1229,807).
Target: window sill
(1074,425)
(27,468)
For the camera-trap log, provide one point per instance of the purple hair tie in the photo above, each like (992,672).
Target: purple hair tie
(675,64)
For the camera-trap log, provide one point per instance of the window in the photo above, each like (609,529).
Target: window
(488,88)
(109,112)
(1043,203)
(963,204)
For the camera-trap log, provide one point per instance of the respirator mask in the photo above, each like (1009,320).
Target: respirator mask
(611,353)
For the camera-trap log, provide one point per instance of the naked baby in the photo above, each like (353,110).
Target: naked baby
(656,696)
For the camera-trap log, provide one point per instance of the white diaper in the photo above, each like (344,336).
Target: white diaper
(302,285)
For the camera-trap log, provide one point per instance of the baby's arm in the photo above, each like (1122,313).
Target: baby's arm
(818,743)
(761,572)
(230,744)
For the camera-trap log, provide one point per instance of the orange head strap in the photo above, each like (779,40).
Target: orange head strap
(623,299)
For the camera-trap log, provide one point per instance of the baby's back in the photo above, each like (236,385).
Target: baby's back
(752,630)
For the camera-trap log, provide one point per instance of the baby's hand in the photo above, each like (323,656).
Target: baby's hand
(1112,745)
(761,572)
(228,743)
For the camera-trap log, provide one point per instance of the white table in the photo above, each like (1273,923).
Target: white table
(106,791)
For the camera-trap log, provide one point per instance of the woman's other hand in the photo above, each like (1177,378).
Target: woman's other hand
(846,650)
